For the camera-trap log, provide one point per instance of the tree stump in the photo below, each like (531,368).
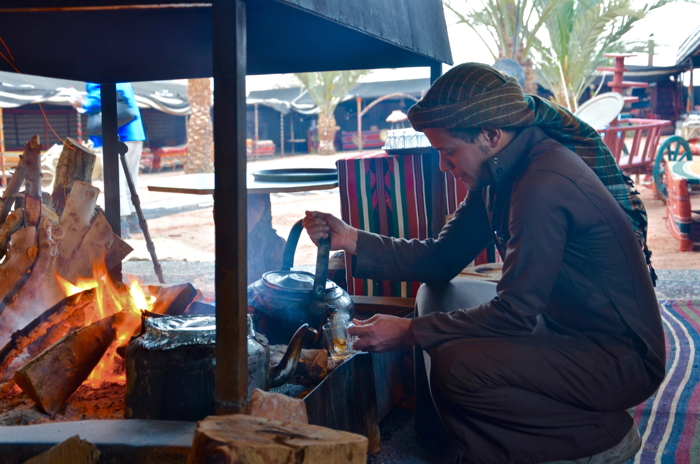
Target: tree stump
(76,163)
(243,439)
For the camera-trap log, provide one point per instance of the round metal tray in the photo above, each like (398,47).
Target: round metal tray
(296,175)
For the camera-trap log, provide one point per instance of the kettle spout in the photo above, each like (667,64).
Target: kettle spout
(280,374)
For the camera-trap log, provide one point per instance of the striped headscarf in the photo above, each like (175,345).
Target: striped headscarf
(474,95)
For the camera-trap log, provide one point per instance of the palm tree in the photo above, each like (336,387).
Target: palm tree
(512,25)
(200,153)
(327,89)
(580,33)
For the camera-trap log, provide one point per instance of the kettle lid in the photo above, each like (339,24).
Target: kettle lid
(292,280)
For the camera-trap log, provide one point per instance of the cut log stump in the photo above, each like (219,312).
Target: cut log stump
(243,439)
(279,407)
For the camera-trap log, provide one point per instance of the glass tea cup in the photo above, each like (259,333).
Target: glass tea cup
(338,340)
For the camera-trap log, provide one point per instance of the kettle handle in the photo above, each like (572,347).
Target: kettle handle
(324,249)
(291,246)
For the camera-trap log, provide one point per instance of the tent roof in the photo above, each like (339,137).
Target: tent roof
(366,90)
(645,73)
(117,41)
(690,48)
(22,89)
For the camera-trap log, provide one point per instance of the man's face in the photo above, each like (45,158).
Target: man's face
(466,161)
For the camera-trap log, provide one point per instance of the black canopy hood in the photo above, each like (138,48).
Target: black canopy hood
(117,41)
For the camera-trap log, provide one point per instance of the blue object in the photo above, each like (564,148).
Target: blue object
(129,132)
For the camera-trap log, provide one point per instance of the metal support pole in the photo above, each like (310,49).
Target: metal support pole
(358,99)
(110,161)
(230,205)
(3,180)
(282,133)
(139,212)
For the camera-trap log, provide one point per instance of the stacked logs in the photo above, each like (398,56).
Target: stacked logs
(42,236)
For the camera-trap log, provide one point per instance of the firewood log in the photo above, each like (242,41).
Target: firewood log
(20,257)
(9,227)
(92,249)
(32,195)
(249,440)
(50,378)
(19,340)
(41,290)
(76,163)
(8,196)
(71,451)
(174,299)
(75,221)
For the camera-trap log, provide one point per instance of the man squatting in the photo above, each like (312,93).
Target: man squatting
(546,370)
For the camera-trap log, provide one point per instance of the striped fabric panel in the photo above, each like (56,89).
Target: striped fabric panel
(668,421)
(385,194)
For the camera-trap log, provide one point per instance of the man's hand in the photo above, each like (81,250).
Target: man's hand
(382,333)
(320,225)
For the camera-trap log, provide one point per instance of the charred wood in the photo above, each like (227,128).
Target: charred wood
(50,378)
(52,317)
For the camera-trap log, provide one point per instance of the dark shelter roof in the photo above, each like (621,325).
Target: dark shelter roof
(99,41)
(23,89)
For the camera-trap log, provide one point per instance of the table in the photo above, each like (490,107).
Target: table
(678,208)
(203,184)
(265,247)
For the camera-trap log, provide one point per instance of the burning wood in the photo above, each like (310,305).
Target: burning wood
(50,319)
(50,378)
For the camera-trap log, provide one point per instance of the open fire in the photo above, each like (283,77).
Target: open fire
(62,319)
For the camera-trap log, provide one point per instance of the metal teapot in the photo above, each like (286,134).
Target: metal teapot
(284,300)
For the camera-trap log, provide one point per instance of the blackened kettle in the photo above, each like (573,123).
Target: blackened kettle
(281,301)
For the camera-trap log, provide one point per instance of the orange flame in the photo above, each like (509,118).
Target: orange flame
(111,299)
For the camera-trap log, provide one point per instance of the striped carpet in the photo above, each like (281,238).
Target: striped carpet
(668,421)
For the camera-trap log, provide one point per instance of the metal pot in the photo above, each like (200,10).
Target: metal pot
(284,300)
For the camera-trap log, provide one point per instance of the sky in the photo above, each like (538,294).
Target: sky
(670,24)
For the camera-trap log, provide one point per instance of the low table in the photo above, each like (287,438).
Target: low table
(203,184)
(679,174)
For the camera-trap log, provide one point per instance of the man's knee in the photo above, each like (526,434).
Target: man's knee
(457,370)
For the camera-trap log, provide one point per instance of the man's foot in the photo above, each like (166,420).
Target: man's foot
(618,454)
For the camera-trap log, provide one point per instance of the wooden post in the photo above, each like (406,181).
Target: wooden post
(110,161)
(230,205)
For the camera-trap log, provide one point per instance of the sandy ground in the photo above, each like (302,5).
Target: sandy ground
(189,234)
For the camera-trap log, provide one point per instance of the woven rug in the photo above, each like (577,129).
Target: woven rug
(668,421)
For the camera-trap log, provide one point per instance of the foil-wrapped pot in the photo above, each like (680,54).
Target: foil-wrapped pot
(170,332)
